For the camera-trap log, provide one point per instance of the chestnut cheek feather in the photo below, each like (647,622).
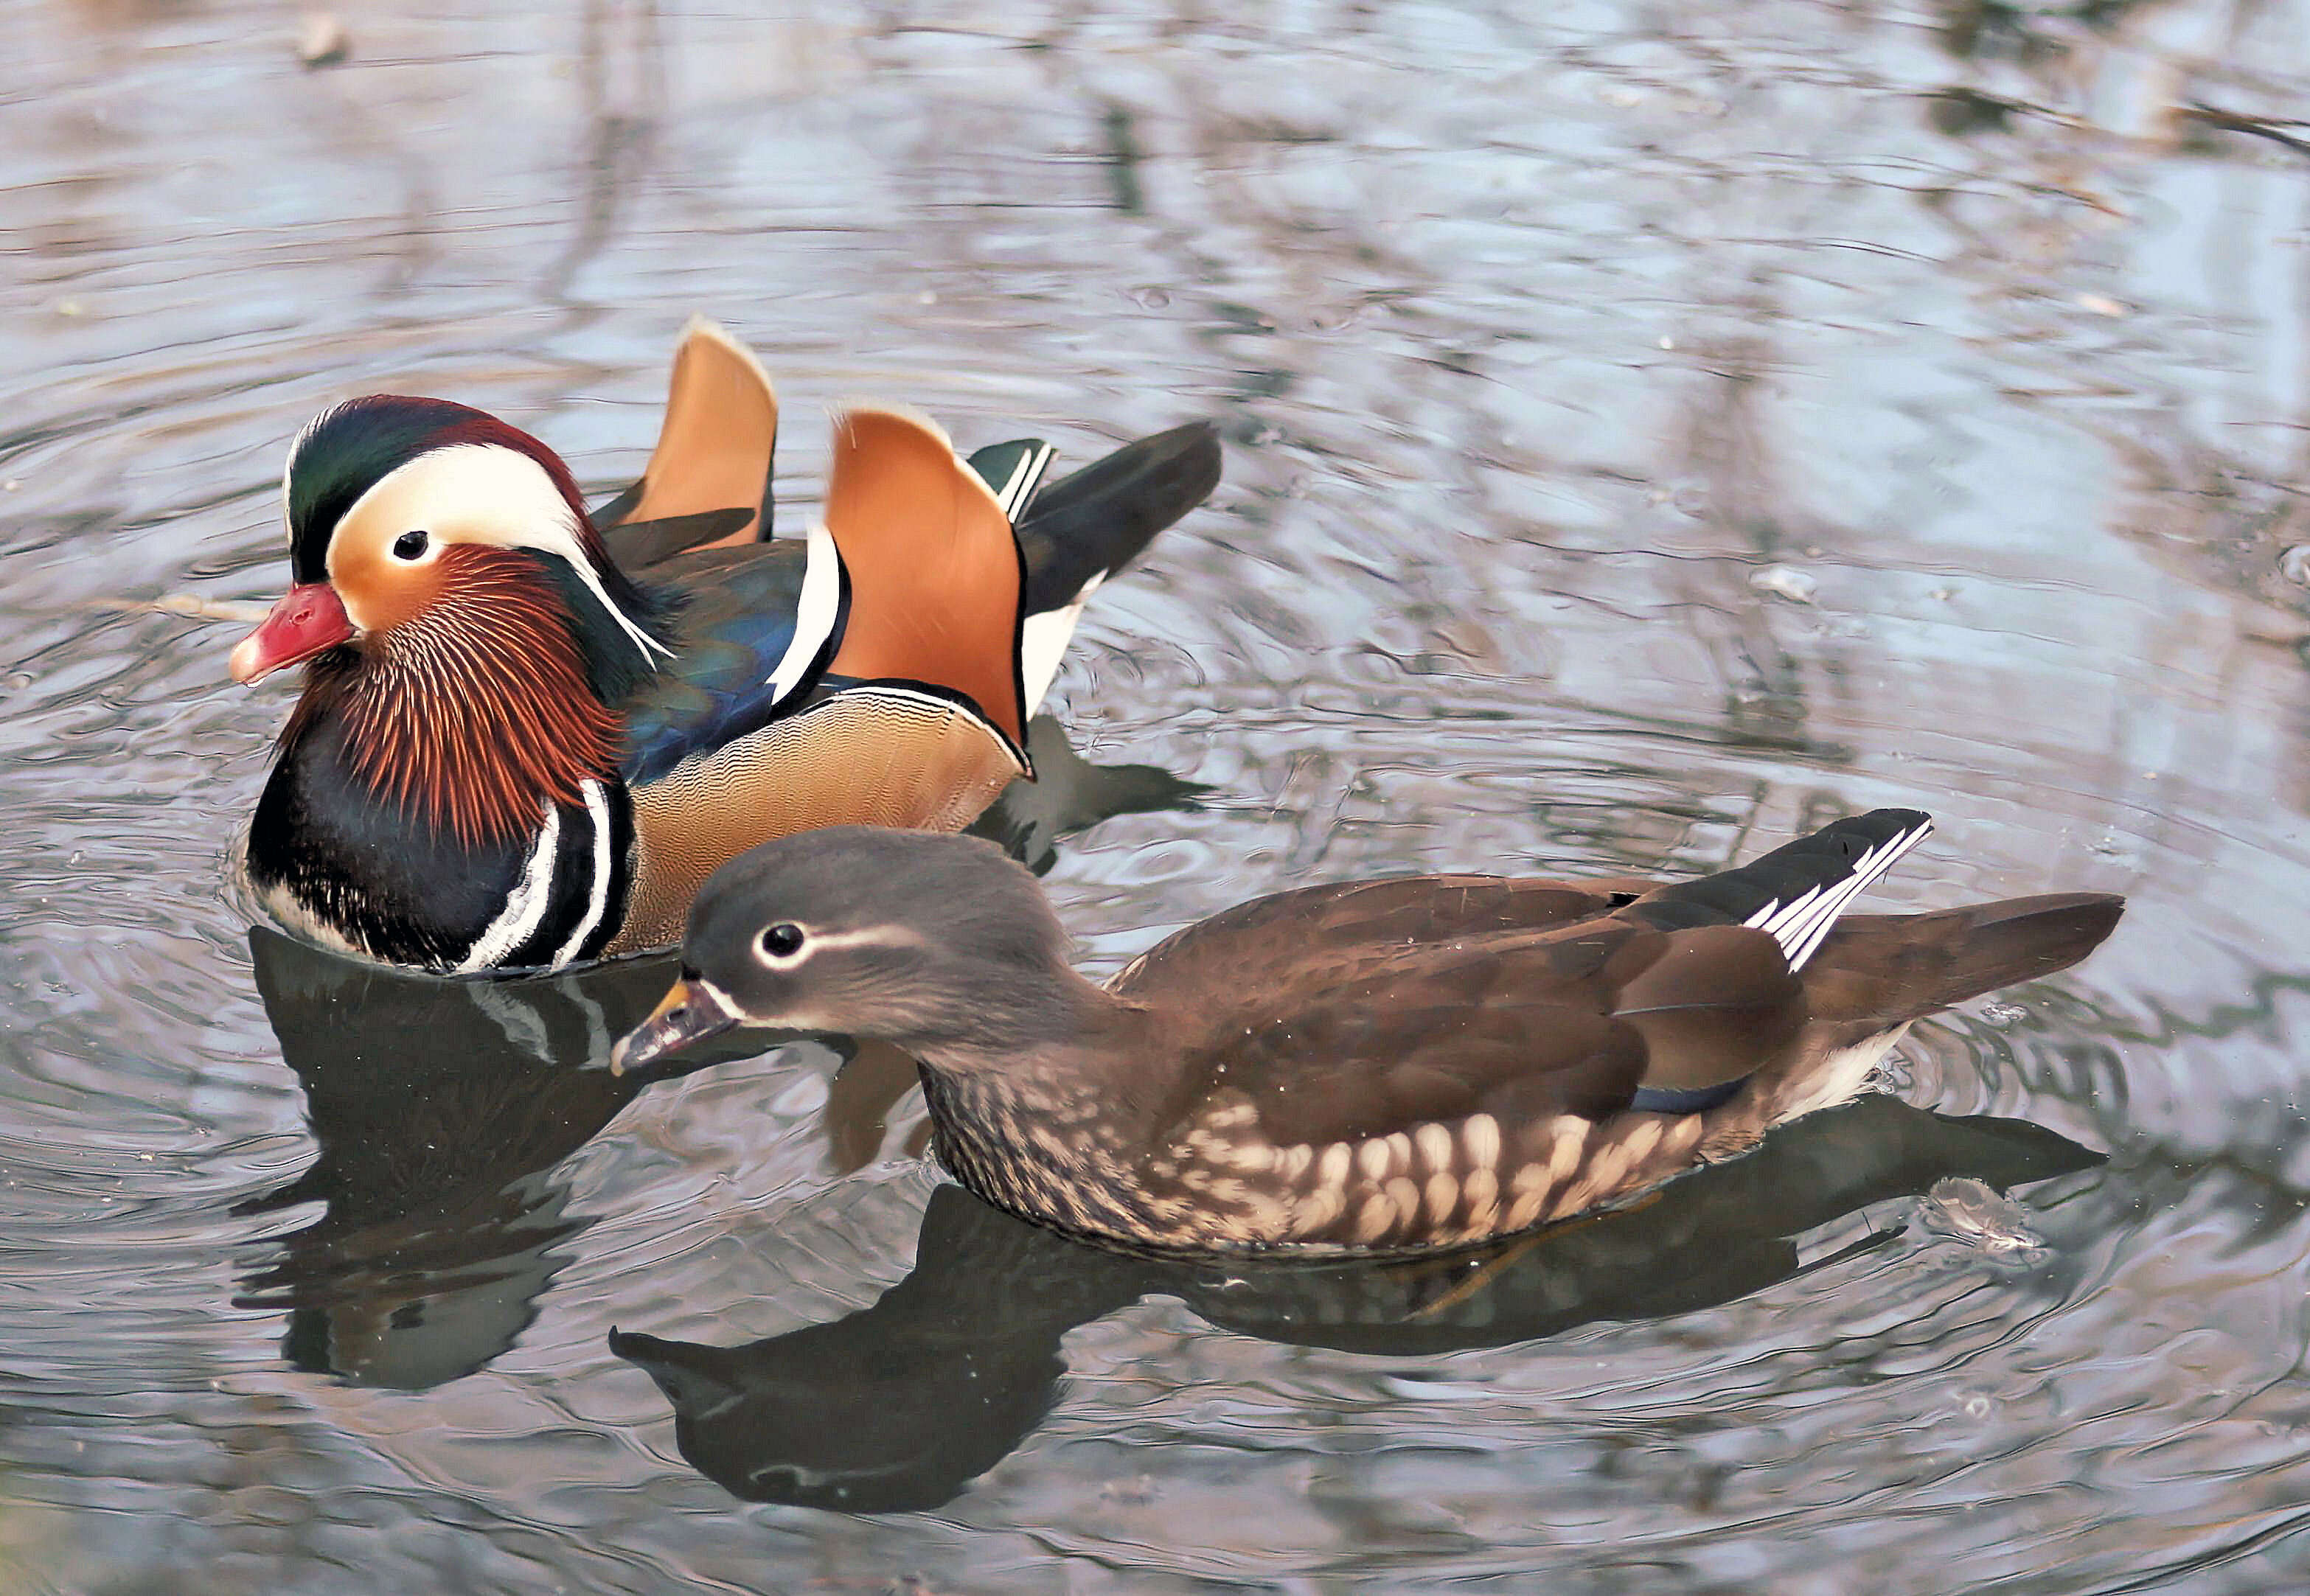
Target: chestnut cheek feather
(475,712)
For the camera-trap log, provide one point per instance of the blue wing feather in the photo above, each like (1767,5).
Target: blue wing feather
(736,618)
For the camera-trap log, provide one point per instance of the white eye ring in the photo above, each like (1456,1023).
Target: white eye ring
(782,944)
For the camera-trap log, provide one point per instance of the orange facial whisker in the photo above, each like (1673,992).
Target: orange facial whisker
(474,714)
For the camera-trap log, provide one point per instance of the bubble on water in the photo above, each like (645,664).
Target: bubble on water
(1137,1491)
(2294,565)
(1976,1213)
(322,39)
(1783,581)
(2000,1014)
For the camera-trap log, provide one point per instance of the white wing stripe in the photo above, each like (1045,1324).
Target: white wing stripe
(815,611)
(1801,925)
(1820,934)
(1012,495)
(1777,923)
(1806,935)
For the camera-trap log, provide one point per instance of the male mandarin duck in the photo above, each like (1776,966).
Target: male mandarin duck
(1386,1066)
(529,734)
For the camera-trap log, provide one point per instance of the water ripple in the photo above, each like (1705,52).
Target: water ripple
(1535,336)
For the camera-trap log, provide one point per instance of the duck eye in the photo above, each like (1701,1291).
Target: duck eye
(782,942)
(409,545)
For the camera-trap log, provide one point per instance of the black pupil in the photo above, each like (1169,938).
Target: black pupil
(782,940)
(409,545)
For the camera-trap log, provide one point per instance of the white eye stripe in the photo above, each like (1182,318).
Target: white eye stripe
(813,942)
(483,493)
(427,552)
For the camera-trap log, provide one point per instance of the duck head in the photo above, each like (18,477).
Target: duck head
(450,591)
(397,504)
(941,944)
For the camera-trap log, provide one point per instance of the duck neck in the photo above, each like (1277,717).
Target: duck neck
(1050,1125)
(1055,1036)
(473,718)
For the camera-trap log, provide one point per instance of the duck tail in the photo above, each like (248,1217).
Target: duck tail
(1888,969)
(1089,524)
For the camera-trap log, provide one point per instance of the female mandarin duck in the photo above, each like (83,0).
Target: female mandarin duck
(529,734)
(1386,1066)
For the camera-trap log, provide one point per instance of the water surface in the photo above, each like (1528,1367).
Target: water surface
(1653,428)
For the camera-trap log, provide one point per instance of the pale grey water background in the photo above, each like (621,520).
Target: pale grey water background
(1538,331)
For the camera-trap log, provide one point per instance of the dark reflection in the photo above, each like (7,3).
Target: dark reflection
(2029,33)
(874,1076)
(1070,793)
(1961,112)
(443,1106)
(440,1107)
(897,1407)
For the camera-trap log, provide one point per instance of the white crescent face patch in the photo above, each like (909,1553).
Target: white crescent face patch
(464,493)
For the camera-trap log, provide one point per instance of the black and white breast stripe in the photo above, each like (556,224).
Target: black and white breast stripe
(570,897)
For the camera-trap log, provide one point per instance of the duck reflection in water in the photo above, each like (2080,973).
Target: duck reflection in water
(899,1406)
(442,1108)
